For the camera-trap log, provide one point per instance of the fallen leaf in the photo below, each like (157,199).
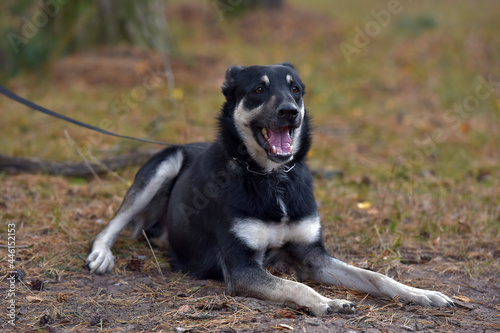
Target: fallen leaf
(178,93)
(183,309)
(135,263)
(366,181)
(283,327)
(285,313)
(463,298)
(36,284)
(121,283)
(61,298)
(195,289)
(141,67)
(45,320)
(464,228)
(465,128)
(33,299)
(364,205)
(183,330)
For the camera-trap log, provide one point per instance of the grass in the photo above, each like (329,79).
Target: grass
(389,103)
(428,178)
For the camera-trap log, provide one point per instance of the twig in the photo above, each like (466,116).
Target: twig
(3,246)
(16,165)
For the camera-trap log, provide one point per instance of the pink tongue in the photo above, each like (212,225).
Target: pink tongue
(280,138)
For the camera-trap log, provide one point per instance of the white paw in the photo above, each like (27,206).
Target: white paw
(342,306)
(332,305)
(100,261)
(428,298)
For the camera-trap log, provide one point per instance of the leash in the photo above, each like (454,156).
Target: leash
(39,108)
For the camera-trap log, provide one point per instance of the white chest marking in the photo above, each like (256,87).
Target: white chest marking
(259,235)
(283,210)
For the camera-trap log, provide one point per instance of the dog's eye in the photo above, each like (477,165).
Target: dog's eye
(259,90)
(295,89)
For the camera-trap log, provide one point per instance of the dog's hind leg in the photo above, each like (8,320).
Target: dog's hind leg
(156,176)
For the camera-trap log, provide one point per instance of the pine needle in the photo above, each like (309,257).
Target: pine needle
(154,255)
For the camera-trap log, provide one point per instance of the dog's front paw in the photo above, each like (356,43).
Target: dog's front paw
(331,306)
(100,261)
(435,298)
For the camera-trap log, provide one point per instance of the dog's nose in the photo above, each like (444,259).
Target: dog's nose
(288,111)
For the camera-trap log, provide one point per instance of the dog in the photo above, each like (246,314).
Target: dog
(245,202)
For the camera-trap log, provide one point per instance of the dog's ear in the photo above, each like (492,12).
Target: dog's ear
(287,64)
(231,74)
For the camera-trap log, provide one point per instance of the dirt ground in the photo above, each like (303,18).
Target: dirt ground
(56,293)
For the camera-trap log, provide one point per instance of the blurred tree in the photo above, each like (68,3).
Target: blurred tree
(34,32)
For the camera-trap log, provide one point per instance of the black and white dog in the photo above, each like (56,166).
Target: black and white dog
(245,202)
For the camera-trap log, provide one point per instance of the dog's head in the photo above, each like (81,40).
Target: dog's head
(267,110)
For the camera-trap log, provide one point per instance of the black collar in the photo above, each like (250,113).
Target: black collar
(284,168)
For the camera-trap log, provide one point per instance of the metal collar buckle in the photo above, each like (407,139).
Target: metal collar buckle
(285,168)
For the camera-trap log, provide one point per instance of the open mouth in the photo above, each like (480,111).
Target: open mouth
(277,141)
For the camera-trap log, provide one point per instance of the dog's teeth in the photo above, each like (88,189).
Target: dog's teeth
(273,150)
(264,133)
(291,147)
